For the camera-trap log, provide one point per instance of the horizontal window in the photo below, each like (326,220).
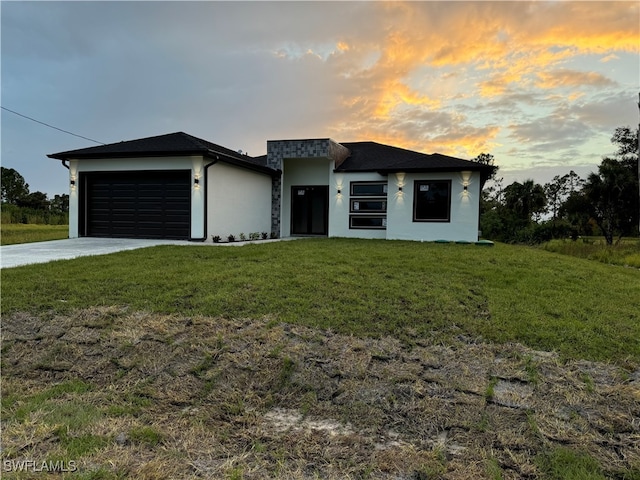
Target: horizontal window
(359,205)
(432,201)
(368,222)
(369,189)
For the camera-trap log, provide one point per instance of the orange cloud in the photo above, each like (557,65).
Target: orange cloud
(342,46)
(564,78)
(495,48)
(395,94)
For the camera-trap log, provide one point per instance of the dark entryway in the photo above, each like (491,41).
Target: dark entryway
(309,210)
(139,204)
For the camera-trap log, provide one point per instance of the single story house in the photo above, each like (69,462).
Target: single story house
(181,187)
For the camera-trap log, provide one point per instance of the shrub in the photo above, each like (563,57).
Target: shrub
(231,238)
(16,214)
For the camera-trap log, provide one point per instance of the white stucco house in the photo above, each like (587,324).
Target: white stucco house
(181,187)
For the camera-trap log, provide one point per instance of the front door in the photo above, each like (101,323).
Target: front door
(309,210)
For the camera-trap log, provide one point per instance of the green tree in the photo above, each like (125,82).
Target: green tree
(626,140)
(527,200)
(491,194)
(576,210)
(14,186)
(487,159)
(60,204)
(34,200)
(612,194)
(558,191)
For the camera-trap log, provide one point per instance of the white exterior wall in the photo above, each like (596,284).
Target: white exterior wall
(339,205)
(193,163)
(239,201)
(298,172)
(463,225)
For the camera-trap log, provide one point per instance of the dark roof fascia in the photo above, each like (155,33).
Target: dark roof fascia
(96,156)
(211,154)
(386,171)
(242,163)
(485,170)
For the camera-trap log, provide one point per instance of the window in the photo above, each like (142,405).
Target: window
(369,189)
(368,222)
(432,201)
(368,205)
(359,205)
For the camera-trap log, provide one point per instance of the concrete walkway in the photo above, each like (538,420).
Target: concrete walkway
(43,252)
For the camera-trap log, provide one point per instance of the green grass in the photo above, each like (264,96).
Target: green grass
(411,290)
(21,408)
(563,463)
(626,252)
(12,233)
(60,410)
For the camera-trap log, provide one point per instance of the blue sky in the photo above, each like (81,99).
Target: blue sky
(540,85)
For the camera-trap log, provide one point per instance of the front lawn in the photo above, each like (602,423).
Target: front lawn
(410,290)
(12,233)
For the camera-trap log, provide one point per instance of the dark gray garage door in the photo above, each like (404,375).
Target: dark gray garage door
(149,204)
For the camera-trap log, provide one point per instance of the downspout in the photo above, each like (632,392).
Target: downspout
(65,165)
(206,200)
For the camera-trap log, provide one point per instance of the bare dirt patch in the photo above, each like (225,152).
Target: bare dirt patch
(176,397)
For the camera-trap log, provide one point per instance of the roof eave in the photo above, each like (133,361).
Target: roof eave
(222,157)
(386,171)
(95,156)
(212,154)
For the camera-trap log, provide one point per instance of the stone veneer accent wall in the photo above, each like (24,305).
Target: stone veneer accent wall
(277,150)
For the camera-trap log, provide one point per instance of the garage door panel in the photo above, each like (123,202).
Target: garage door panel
(155,204)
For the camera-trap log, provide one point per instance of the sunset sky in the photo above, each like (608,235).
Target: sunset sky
(540,85)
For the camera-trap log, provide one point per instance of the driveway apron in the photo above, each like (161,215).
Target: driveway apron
(42,252)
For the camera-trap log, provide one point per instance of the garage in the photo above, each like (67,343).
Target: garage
(136,204)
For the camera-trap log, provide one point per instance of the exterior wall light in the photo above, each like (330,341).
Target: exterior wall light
(465,188)
(72,182)
(339,192)
(196,182)
(399,189)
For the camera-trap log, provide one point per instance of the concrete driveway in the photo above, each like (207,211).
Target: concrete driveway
(42,252)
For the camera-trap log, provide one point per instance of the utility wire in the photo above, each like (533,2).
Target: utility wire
(50,126)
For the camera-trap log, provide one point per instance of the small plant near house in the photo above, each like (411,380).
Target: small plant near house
(264,235)
(231,237)
(274,235)
(216,238)
(254,236)
(243,237)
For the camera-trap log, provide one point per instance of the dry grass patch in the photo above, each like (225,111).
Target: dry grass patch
(137,395)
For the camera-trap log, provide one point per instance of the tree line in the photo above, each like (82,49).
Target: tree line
(605,203)
(19,205)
